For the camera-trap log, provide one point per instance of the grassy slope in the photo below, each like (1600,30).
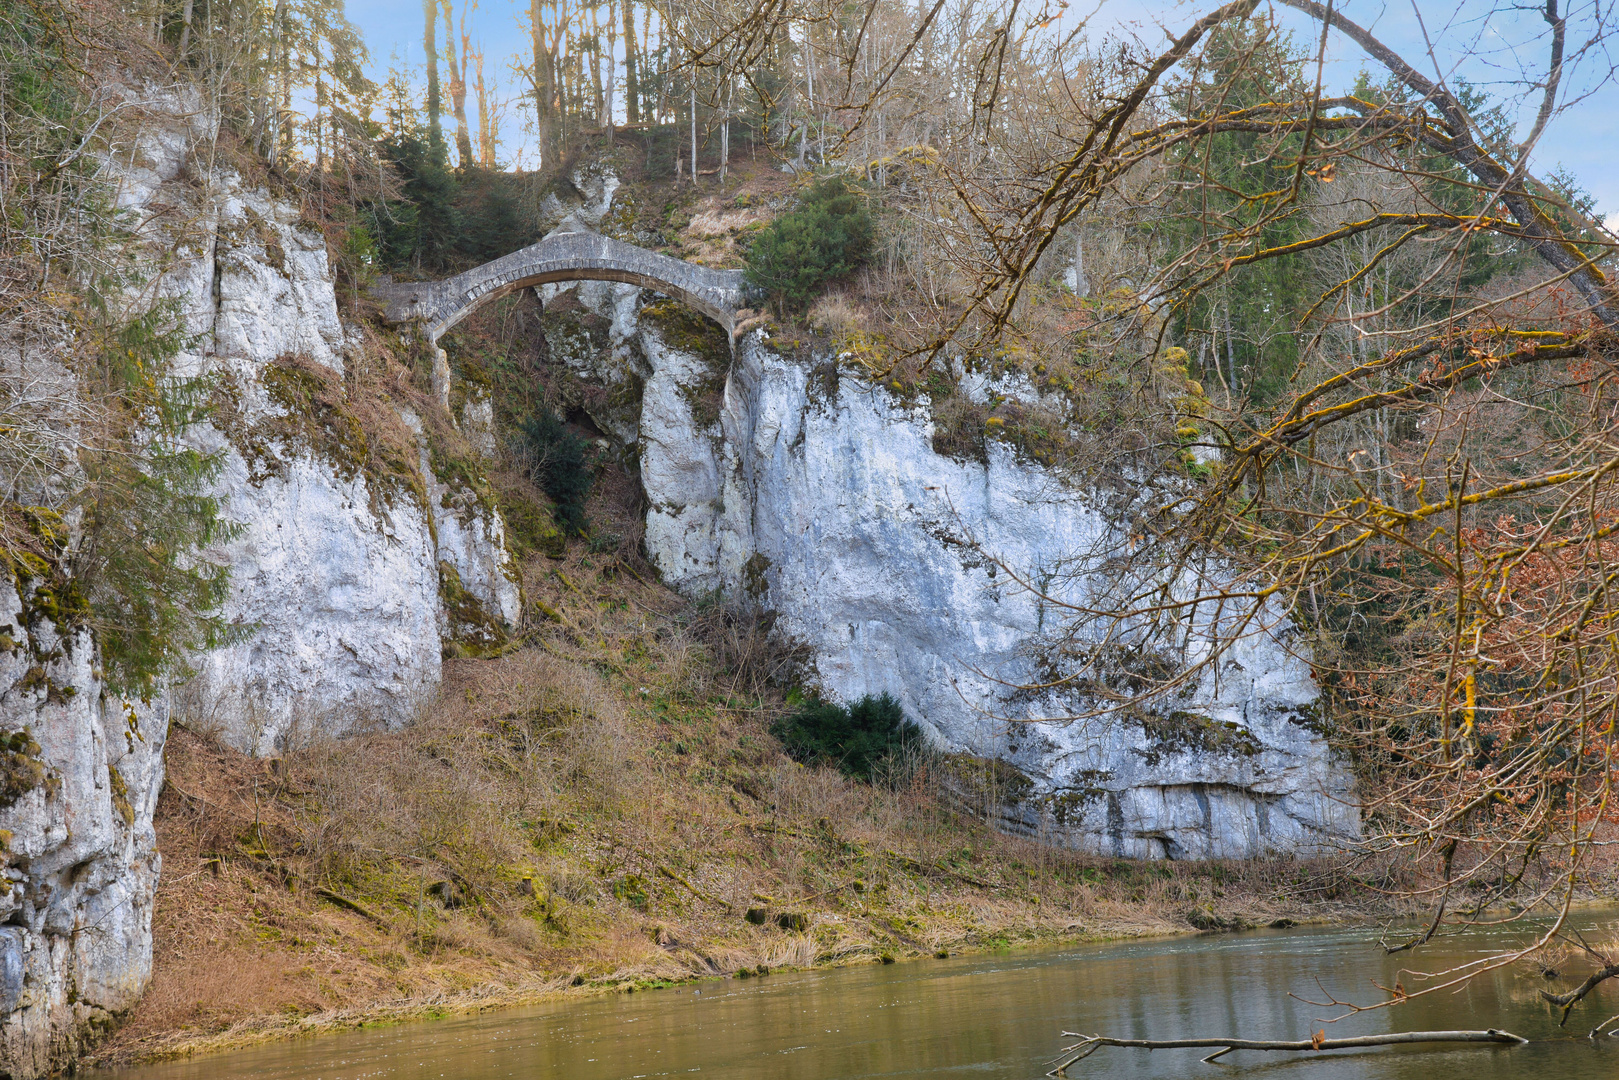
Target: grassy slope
(598,808)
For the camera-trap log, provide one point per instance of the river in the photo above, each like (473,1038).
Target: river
(985,1017)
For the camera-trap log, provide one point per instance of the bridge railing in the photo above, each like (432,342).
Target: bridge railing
(573,255)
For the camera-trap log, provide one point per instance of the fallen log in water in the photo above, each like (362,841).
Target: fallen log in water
(1089,1044)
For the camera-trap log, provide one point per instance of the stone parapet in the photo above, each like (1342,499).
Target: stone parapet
(572,253)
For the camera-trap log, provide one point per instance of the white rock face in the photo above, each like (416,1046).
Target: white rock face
(863,526)
(822,500)
(697,527)
(343,605)
(470,541)
(336,583)
(589,199)
(83,771)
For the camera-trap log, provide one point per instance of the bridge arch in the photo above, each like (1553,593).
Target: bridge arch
(566,255)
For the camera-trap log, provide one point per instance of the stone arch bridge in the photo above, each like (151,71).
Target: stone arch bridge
(573,255)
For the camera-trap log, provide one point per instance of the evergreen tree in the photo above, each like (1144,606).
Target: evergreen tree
(421,231)
(825,237)
(560,466)
(1239,189)
(859,739)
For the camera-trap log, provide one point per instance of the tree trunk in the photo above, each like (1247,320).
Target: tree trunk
(320,145)
(435,134)
(267,130)
(544,86)
(809,83)
(610,65)
(185,29)
(458,83)
(666,91)
(1219,372)
(596,71)
(486,122)
(284,125)
(1230,348)
(725,134)
(632,81)
(1089,1044)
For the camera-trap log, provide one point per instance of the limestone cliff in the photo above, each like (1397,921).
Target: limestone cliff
(79,778)
(354,544)
(814,497)
(361,552)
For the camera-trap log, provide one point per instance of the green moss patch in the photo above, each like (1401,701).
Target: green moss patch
(21,769)
(473,631)
(318,417)
(681,328)
(120,795)
(1193,733)
(1034,433)
(530,527)
(456,465)
(688,332)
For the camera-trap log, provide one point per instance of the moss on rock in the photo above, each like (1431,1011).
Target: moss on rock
(679,327)
(1182,732)
(683,330)
(318,417)
(21,769)
(472,630)
(530,526)
(120,794)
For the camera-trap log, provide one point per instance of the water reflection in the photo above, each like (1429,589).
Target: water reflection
(984,1017)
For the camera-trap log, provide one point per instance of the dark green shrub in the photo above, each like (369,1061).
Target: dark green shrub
(445,218)
(824,238)
(142,577)
(860,740)
(559,464)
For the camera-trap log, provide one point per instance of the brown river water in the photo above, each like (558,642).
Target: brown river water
(988,1017)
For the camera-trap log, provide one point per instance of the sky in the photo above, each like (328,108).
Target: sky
(1493,45)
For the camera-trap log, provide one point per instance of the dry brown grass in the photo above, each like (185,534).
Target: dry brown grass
(837,316)
(601,806)
(597,808)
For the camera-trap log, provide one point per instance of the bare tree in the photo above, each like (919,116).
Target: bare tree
(1412,454)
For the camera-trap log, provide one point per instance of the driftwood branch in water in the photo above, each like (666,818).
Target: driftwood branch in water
(1089,1044)
(1567,1001)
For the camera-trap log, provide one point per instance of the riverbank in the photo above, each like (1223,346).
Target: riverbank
(995,1016)
(146,1039)
(132,1047)
(602,808)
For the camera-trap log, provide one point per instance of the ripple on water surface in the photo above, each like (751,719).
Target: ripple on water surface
(981,1017)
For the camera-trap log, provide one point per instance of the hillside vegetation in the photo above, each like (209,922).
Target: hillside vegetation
(1352,344)
(605,809)
(603,800)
